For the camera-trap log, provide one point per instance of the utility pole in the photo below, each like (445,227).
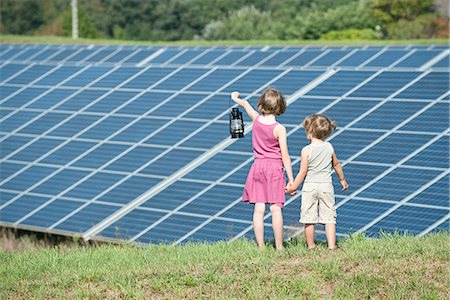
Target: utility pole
(74,19)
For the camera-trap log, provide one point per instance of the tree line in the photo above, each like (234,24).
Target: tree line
(171,20)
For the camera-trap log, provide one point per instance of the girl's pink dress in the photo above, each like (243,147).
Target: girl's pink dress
(265,181)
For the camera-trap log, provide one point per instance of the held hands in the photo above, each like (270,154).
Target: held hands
(344,184)
(290,188)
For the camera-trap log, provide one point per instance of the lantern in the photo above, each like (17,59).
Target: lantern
(236,124)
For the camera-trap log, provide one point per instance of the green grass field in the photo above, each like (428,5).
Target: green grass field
(65,40)
(392,267)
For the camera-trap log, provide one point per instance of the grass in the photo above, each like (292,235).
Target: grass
(15,39)
(392,267)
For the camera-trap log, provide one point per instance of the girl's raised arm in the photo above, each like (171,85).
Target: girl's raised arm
(252,113)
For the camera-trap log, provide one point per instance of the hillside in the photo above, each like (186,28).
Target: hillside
(392,267)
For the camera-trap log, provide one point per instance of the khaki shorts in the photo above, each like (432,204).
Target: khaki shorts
(318,203)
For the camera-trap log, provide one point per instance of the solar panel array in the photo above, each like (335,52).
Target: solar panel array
(131,142)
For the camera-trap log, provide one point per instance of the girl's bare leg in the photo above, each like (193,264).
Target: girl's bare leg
(277,225)
(258,223)
(309,235)
(330,232)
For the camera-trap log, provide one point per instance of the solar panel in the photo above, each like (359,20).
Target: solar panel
(131,143)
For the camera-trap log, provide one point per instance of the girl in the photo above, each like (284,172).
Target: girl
(265,181)
(317,159)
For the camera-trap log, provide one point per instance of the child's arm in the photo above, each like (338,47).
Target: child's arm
(340,173)
(244,103)
(302,173)
(280,133)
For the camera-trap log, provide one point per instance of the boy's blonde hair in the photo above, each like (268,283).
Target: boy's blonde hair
(272,101)
(319,126)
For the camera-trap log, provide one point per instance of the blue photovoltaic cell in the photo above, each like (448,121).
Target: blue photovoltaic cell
(131,224)
(180,79)
(174,133)
(387,58)
(354,214)
(254,59)
(129,190)
(134,159)
(63,55)
(443,63)
(119,56)
(216,80)
(139,130)
(208,57)
(51,213)
(240,175)
(301,108)
(26,54)
(346,111)
(87,76)
(21,207)
(9,70)
(174,195)
(93,186)
(51,99)
(106,128)
(81,55)
(436,194)
(436,155)
(357,175)
(6,196)
(44,123)
(230,58)
(278,58)
(7,91)
(304,58)
(14,121)
(417,59)
(117,77)
(177,105)
(44,55)
(99,56)
(294,81)
(143,103)
(165,56)
(60,182)
(222,162)
(36,149)
(408,219)
(148,78)
(140,55)
(171,162)
(170,229)
(385,84)
(254,80)
(389,115)
(24,97)
(211,108)
(58,76)
(68,152)
(27,178)
(431,86)
(344,142)
(101,155)
(74,125)
(443,227)
(398,184)
(330,58)
(434,119)
(186,57)
(11,144)
(244,211)
(87,217)
(80,100)
(340,83)
(394,148)
(111,102)
(208,137)
(9,169)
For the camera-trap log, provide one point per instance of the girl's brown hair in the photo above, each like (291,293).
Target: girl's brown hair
(319,126)
(272,101)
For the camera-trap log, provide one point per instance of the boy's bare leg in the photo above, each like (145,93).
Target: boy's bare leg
(330,232)
(277,225)
(309,235)
(258,223)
